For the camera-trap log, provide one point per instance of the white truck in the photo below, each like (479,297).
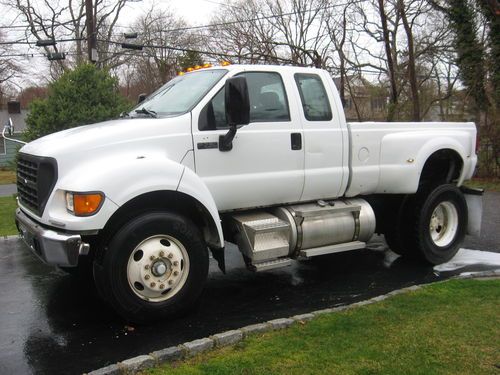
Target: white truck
(260,156)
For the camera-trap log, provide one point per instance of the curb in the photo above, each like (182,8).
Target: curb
(10,238)
(227,338)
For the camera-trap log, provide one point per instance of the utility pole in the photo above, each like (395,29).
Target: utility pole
(91,32)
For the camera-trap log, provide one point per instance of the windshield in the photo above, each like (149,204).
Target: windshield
(181,94)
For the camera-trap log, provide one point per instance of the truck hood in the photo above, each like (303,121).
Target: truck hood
(137,135)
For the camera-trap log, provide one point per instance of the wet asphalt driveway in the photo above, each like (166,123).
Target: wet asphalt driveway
(51,324)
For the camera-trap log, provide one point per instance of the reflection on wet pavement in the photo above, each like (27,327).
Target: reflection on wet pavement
(51,324)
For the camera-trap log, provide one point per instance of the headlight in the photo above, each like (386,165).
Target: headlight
(84,204)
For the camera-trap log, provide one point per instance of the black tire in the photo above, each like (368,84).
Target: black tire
(448,234)
(110,269)
(396,226)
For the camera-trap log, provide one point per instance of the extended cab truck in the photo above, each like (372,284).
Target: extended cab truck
(260,156)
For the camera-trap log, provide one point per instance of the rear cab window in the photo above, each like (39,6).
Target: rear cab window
(315,103)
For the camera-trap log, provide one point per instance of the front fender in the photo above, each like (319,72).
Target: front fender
(192,185)
(128,179)
(121,179)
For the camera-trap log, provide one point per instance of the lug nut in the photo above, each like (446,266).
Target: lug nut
(170,282)
(170,256)
(176,263)
(162,286)
(147,277)
(146,267)
(152,285)
(162,253)
(176,273)
(152,257)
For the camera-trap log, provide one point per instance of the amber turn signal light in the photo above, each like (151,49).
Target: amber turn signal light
(84,204)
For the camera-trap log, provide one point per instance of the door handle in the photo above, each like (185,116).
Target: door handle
(296,140)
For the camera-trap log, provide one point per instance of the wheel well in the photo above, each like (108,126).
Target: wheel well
(171,201)
(442,167)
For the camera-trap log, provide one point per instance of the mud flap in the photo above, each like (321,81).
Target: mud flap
(474,199)
(218,255)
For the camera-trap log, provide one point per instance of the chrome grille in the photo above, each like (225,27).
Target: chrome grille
(36,177)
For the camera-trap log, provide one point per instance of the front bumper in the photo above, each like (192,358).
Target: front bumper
(55,248)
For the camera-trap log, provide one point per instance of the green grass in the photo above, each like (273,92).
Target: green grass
(489,184)
(7,208)
(7,177)
(445,328)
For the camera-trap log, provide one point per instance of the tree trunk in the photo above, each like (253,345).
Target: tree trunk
(393,100)
(412,74)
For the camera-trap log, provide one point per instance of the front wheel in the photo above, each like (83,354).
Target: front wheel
(154,267)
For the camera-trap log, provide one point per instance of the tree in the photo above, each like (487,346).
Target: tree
(80,96)
(163,50)
(190,59)
(9,67)
(62,20)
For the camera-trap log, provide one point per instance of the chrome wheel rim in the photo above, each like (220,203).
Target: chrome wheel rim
(443,225)
(158,268)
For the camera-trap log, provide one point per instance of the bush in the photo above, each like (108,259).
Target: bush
(81,96)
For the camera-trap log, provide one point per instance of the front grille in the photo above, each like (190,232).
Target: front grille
(36,177)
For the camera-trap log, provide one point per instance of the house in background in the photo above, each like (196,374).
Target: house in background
(364,101)
(8,148)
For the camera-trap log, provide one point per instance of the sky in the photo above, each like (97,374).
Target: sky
(194,12)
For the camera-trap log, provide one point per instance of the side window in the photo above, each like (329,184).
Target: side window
(268,102)
(313,96)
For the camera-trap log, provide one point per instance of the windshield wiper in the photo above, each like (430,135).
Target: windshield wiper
(146,111)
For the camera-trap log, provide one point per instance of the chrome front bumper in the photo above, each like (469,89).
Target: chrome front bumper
(59,249)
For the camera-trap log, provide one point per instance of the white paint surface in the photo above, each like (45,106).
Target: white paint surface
(467,257)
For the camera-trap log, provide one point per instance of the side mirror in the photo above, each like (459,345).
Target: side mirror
(237,105)
(141,98)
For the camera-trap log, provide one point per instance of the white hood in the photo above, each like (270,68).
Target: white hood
(137,135)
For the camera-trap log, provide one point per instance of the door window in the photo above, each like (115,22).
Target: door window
(268,102)
(314,99)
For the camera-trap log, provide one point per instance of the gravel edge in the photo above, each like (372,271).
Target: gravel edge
(227,338)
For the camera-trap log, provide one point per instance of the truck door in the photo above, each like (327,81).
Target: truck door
(326,164)
(266,163)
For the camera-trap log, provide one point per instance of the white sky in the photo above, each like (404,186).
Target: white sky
(194,12)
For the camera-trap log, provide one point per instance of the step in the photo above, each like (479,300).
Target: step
(331,249)
(271,264)
(266,225)
(262,236)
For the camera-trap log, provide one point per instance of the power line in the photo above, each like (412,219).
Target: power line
(206,26)
(259,18)
(21,41)
(14,27)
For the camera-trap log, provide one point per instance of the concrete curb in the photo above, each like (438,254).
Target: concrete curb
(192,348)
(10,238)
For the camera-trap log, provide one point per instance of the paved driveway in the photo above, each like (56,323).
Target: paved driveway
(6,190)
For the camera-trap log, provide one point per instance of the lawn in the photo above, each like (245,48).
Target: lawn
(7,207)
(446,328)
(7,177)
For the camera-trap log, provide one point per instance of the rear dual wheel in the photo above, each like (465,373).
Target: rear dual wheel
(430,225)
(154,267)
